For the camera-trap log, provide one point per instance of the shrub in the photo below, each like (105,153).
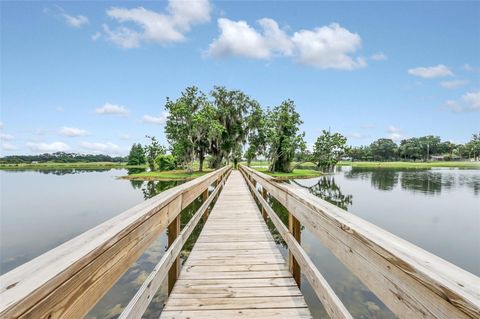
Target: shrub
(166,162)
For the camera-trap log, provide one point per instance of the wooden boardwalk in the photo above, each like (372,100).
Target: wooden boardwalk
(235,270)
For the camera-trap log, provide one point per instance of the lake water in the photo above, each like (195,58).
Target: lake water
(438,210)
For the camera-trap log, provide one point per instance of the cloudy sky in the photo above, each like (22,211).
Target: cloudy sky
(92,77)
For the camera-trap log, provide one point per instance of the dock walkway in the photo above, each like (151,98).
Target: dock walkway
(235,270)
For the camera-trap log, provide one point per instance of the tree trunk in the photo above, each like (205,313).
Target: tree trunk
(201,158)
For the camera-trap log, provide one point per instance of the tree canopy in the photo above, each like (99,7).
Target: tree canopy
(282,136)
(137,155)
(328,149)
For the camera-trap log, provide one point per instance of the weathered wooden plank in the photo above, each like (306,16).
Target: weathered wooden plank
(300,313)
(235,303)
(235,268)
(412,282)
(236,261)
(236,274)
(68,280)
(235,292)
(235,264)
(236,283)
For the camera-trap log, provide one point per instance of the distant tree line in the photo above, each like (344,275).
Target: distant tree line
(423,148)
(60,157)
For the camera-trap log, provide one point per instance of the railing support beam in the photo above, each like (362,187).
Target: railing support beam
(174,272)
(204,198)
(264,211)
(295,229)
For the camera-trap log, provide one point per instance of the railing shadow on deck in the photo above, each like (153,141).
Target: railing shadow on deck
(69,280)
(412,282)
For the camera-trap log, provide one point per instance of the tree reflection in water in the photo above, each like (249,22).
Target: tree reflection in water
(325,188)
(381,178)
(328,190)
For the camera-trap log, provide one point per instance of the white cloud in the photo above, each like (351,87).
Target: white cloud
(238,38)
(96,36)
(469,102)
(325,47)
(367,126)
(103,148)
(1,125)
(357,136)
(72,131)
(158,120)
(395,133)
(74,21)
(60,109)
(156,27)
(431,72)
(6,137)
(393,129)
(467,67)
(48,147)
(380,56)
(8,147)
(112,109)
(396,137)
(123,37)
(454,84)
(125,137)
(328,47)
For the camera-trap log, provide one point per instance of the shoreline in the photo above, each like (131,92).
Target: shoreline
(80,165)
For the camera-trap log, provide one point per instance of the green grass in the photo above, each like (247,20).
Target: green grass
(51,165)
(297,173)
(167,175)
(424,165)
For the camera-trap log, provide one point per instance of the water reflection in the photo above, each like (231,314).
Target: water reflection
(431,182)
(118,297)
(152,188)
(61,172)
(327,189)
(135,170)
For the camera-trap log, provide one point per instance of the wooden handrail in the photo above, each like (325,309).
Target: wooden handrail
(412,282)
(67,281)
(332,304)
(139,303)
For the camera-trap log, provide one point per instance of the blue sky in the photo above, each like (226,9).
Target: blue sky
(92,77)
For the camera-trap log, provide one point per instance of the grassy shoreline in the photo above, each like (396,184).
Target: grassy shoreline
(407,165)
(81,165)
(166,175)
(296,174)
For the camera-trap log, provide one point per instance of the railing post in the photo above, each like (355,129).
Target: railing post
(205,197)
(264,211)
(294,267)
(174,272)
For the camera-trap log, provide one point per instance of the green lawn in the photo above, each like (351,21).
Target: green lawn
(51,165)
(411,164)
(167,175)
(297,173)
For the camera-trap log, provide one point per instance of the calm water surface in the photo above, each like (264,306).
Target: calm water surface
(438,210)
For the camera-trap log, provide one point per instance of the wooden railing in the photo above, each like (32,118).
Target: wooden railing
(69,280)
(410,281)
